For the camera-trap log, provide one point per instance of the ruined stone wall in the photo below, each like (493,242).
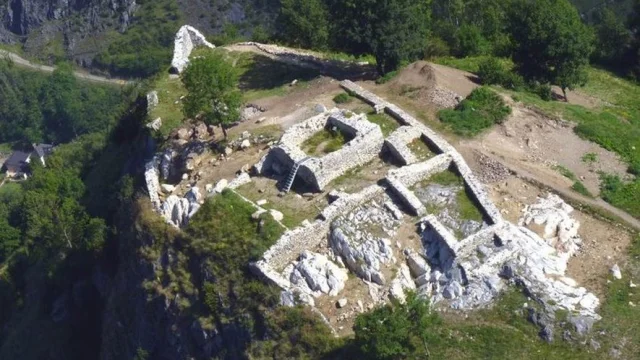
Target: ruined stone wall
(187,38)
(397,144)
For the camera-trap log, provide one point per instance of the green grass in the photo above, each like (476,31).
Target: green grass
(445,178)
(324,142)
(579,187)
(420,149)
(467,207)
(479,111)
(387,123)
(565,172)
(470,64)
(590,158)
(169,91)
(624,195)
(342,98)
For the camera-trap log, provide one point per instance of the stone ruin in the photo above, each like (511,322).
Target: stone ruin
(365,144)
(355,231)
(187,38)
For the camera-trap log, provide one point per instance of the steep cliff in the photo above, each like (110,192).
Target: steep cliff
(79,30)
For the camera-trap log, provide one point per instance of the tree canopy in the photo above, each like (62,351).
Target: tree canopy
(550,42)
(212,85)
(303,23)
(393,31)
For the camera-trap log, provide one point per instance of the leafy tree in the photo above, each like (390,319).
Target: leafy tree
(212,85)
(613,38)
(396,331)
(395,32)
(551,44)
(633,55)
(303,23)
(470,41)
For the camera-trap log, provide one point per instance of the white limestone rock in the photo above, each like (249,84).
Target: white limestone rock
(362,257)
(187,38)
(220,186)
(615,272)
(167,188)
(153,182)
(341,303)
(152,100)
(317,274)
(401,284)
(277,215)
(560,230)
(155,125)
(242,179)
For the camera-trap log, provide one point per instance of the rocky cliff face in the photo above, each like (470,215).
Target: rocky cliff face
(80,29)
(63,27)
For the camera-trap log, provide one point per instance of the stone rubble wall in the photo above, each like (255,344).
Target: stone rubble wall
(412,174)
(366,145)
(477,189)
(397,143)
(187,38)
(407,197)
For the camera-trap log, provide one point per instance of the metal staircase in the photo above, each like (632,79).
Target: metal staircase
(292,174)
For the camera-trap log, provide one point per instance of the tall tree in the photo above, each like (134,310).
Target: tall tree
(613,38)
(551,44)
(212,85)
(394,31)
(303,23)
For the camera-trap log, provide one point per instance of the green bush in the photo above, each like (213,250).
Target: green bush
(543,91)
(470,42)
(481,109)
(623,195)
(342,98)
(492,71)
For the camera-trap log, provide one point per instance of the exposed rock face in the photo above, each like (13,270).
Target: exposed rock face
(317,275)
(187,38)
(560,230)
(177,211)
(400,284)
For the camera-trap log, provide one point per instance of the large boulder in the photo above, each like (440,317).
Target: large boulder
(318,275)
(363,256)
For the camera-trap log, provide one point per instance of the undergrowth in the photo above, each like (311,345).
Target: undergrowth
(480,110)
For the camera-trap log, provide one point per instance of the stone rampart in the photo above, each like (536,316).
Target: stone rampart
(187,38)
(397,144)
(412,174)
(406,196)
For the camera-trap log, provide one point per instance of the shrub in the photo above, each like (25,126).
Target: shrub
(625,196)
(436,47)
(590,158)
(342,98)
(481,109)
(470,42)
(543,91)
(492,71)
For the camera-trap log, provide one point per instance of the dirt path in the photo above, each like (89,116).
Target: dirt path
(551,183)
(49,69)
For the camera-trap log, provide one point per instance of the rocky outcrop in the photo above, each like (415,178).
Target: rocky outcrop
(177,211)
(187,38)
(317,275)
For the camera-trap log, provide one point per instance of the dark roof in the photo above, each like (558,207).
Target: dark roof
(17,161)
(43,149)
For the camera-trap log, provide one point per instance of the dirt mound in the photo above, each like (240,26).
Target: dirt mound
(427,82)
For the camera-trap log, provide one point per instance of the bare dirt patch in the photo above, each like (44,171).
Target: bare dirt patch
(537,143)
(604,244)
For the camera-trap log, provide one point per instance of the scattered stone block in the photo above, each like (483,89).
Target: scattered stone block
(341,303)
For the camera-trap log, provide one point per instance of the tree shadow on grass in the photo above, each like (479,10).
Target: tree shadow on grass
(266,73)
